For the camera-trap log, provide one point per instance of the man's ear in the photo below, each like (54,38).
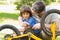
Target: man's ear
(32,11)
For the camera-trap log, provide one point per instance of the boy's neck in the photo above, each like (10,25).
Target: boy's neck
(26,18)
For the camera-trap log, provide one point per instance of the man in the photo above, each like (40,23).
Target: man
(38,10)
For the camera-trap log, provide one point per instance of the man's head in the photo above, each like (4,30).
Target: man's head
(38,8)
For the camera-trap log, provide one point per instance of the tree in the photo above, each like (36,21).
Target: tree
(19,3)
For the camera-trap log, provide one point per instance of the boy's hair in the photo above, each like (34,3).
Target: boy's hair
(38,6)
(25,8)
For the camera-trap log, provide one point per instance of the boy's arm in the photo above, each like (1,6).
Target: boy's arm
(20,21)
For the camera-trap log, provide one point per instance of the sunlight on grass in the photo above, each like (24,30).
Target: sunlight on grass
(9,15)
(2,36)
(4,15)
(1,20)
(58,38)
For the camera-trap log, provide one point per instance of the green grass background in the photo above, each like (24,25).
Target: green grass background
(5,15)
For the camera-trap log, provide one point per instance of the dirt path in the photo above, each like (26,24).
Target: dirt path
(11,22)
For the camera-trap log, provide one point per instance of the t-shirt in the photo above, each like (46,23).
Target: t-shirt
(36,18)
(31,21)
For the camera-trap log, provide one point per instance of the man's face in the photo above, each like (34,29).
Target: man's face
(41,14)
(38,14)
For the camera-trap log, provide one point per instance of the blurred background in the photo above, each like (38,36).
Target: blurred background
(9,9)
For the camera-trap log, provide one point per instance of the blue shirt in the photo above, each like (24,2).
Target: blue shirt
(31,22)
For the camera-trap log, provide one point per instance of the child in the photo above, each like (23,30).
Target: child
(25,19)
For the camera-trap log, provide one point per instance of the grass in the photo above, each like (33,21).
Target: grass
(9,15)
(4,15)
(58,38)
(1,20)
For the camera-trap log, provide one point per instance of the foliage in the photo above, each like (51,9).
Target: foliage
(19,3)
(9,15)
(24,2)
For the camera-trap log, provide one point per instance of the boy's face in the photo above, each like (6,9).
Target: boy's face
(38,14)
(25,15)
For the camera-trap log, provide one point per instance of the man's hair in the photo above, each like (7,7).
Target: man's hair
(25,8)
(38,6)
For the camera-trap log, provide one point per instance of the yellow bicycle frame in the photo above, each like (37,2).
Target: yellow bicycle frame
(23,35)
(33,36)
(53,26)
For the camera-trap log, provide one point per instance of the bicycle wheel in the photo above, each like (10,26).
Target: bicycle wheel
(43,21)
(14,29)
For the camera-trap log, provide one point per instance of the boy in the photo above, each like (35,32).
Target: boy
(25,19)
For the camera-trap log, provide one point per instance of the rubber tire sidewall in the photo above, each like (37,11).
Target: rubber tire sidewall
(43,21)
(12,28)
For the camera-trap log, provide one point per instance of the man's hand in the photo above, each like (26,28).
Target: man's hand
(36,26)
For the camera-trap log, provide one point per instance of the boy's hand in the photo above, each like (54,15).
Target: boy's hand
(25,25)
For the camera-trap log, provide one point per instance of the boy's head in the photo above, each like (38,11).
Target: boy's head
(38,8)
(25,11)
